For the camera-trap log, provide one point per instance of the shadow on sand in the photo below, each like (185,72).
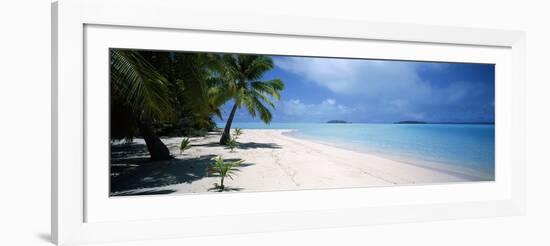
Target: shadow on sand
(131,169)
(148,192)
(253,145)
(247,145)
(218,188)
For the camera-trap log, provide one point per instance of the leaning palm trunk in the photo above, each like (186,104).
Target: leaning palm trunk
(227,130)
(156,147)
(241,76)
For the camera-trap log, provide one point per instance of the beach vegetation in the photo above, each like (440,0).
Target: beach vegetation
(161,94)
(185,145)
(232,144)
(156,93)
(238,132)
(223,169)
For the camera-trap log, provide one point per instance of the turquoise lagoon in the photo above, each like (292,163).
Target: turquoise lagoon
(463,149)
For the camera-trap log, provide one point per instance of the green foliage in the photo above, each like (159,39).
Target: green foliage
(185,145)
(232,144)
(241,81)
(223,169)
(179,93)
(139,86)
(238,132)
(170,90)
(192,132)
(242,74)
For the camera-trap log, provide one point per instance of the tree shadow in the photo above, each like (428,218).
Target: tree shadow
(217,188)
(131,171)
(139,173)
(209,144)
(254,145)
(128,149)
(147,192)
(247,145)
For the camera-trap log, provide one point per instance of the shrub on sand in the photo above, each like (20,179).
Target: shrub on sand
(185,145)
(232,144)
(238,132)
(223,169)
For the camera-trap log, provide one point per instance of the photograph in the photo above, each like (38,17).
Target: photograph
(187,122)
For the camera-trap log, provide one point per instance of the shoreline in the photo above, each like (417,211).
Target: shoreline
(273,161)
(436,165)
(407,160)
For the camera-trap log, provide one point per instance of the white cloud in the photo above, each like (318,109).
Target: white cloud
(294,107)
(392,90)
(330,101)
(363,77)
(327,109)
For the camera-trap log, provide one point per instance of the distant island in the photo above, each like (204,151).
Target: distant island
(410,122)
(337,122)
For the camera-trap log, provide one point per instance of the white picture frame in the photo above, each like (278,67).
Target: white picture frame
(81,214)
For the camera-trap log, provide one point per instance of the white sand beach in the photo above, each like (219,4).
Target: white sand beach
(272,161)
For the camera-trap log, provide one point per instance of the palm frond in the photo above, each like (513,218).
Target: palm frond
(256,66)
(247,100)
(139,85)
(185,145)
(223,169)
(265,114)
(241,76)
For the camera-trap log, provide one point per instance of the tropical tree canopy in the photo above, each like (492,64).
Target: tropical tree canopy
(138,93)
(171,90)
(155,91)
(241,76)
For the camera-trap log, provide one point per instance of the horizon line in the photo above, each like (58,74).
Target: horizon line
(363,122)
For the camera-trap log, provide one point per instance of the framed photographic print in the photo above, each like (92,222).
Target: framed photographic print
(271,123)
(166,125)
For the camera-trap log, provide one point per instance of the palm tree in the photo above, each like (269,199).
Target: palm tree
(241,76)
(139,96)
(190,77)
(152,87)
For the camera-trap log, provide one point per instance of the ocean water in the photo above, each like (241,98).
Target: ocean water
(467,149)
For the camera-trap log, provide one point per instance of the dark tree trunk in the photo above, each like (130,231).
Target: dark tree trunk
(222,187)
(157,149)
(226,131)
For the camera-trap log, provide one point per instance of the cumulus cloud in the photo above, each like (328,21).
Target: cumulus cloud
(330,101)
(393,90)
(324,110)
(379,91)
(393,86)
(364,77)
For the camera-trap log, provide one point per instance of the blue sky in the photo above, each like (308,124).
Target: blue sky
(376,91)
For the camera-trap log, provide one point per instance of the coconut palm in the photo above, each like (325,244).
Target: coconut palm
(150,87)
(139,96)
(241,76)
(190,77)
